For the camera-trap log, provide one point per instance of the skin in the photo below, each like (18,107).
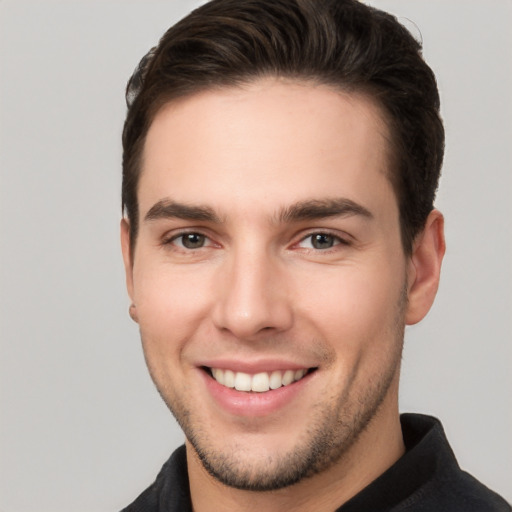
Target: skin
(256,289)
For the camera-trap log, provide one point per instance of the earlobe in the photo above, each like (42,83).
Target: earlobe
(132,311)
(425,268)
(127,256)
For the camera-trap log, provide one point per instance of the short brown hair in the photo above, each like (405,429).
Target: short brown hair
(341,43)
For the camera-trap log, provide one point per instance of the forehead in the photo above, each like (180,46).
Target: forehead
(269,142)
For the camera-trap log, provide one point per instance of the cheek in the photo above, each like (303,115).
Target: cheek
(355,308)
(169,304)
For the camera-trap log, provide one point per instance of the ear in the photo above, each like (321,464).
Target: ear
(127,256)
(425,267)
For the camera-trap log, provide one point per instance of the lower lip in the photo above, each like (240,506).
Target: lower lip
(242,403)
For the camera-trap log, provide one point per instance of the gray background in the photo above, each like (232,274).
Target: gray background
(81,427)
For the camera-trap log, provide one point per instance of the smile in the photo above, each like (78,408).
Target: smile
(259,382)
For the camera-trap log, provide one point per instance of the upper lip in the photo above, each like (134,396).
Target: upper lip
(254,367)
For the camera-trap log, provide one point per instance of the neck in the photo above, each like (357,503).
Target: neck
(375,450)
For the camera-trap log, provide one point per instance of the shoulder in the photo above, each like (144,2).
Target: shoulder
(170,491)
(459,493)
(468,490)
(427,478)
(448,487)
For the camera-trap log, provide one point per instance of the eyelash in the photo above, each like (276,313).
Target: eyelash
(171,239)
(337,240)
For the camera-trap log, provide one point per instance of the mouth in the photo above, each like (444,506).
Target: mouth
(261,382)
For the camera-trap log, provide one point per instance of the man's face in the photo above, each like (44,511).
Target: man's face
(269,258)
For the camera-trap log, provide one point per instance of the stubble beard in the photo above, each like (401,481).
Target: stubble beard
(326,441)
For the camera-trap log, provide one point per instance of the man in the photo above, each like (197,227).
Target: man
(280,166)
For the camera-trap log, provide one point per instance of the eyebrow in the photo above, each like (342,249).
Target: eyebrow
(321,209)
(303,210)
(167,209)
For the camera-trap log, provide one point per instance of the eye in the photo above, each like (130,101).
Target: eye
(320,241)
(190,240)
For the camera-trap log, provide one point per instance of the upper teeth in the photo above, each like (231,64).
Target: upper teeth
(260,382)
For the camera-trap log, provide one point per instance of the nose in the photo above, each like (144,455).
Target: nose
(252,295)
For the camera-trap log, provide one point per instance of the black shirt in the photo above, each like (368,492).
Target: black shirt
(426,479)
